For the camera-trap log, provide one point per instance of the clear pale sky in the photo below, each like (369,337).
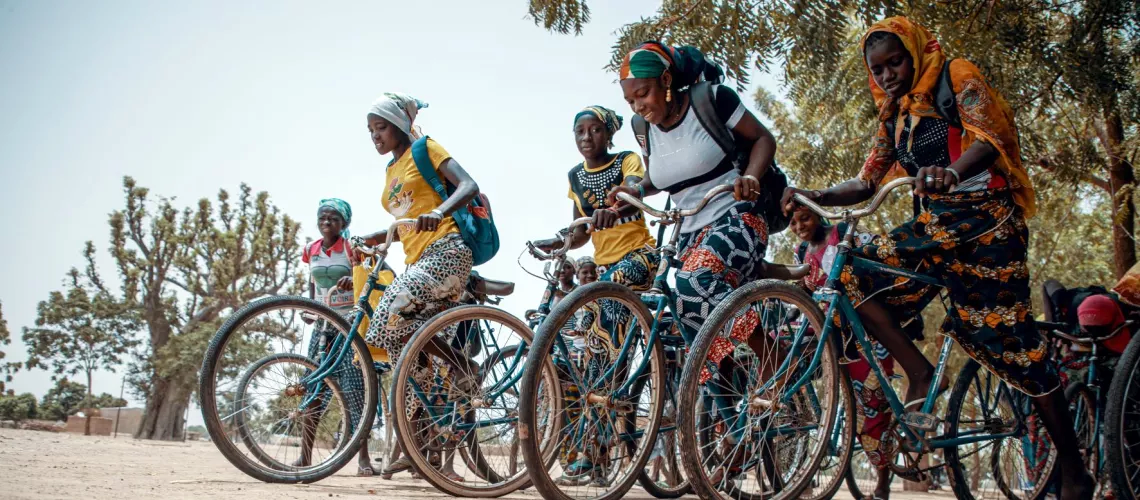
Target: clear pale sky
(192,97)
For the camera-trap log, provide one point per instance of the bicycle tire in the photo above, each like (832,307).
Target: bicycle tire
(207,397)
(1082,407)
(405,433)
(537,463)
(1120,433)
(243,430)
(844,446)
(691,447)
(954,460)
(673,442)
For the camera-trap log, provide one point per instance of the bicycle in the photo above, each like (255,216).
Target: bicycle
(309,400)
(983,411)
(620,407)
(1086,402)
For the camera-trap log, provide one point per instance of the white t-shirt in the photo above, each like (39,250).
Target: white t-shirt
(687,162)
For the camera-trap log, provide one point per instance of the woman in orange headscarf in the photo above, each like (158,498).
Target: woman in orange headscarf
(941,123)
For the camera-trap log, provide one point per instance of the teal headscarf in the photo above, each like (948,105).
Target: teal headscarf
(341,207)
(607,116)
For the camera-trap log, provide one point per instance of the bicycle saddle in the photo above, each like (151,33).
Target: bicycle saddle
(484,286)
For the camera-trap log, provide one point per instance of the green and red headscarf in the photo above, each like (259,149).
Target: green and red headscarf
(687,64)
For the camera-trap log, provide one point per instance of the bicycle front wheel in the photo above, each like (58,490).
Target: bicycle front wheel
(745,434)
(262,411)
(607,424)
(1017,466)
(458,427)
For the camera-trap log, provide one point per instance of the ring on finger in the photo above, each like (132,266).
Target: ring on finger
(929,179)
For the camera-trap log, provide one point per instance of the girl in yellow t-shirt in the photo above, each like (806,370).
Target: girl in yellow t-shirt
(622,243)
(438,261)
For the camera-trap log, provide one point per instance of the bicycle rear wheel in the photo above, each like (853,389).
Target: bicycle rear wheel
(440,410)
(784,436)
(1020,466)
(257,406)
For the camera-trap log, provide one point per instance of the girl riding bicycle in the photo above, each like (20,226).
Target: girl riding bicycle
(971,230)
(438,262)
(330,264)
(621,242)
(723,246)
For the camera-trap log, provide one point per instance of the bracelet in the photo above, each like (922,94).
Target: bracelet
(748,176)
(437,212)
(640,189)
(955,172)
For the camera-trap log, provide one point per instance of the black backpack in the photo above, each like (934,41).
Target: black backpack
(771,186)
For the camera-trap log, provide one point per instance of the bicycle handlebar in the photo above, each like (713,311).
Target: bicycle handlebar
(660,214)
(860,213)
(388,239)
(541,255)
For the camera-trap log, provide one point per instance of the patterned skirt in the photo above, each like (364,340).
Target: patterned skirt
(977,243)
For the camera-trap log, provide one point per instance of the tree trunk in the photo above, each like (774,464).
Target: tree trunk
(1120,175)
(87,411)
(165,410)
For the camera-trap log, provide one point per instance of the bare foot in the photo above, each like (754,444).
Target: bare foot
(919,387)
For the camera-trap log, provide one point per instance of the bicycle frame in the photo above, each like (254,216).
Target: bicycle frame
(838,302)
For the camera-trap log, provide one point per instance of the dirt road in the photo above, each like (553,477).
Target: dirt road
(43,465)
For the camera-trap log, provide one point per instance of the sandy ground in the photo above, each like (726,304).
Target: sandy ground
(43,465)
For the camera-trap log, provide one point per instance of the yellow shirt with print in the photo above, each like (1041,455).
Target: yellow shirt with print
(407,196)
(610,245)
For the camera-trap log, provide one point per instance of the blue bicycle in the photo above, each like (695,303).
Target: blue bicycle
(306,418)
(616,387)
(777,435)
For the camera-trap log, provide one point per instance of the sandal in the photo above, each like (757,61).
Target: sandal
(365,471)
(400,465)
(453,477)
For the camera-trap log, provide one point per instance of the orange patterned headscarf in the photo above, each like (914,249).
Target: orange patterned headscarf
(984,113)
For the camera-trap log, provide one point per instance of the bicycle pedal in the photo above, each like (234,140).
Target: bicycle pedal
(921,421)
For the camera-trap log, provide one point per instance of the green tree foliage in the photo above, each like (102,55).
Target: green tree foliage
(80,331)
(67,398)
(63,399)
(1070,69)
(182,272)
(17,408)
(6,367)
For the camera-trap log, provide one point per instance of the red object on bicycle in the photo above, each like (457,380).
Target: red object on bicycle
(1099,315)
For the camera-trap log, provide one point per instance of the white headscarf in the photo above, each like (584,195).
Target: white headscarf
(399,109)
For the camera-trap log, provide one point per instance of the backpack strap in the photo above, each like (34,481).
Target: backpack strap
(641,133)
(703,103)
(427,169)
(945,102)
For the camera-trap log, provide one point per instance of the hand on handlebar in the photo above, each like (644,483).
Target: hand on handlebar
(605,218)
(428,222)
(934,180)
(546,245)
(788,201)
(614,202)
(746,188)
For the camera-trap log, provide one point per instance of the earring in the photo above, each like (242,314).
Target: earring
(668,95)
